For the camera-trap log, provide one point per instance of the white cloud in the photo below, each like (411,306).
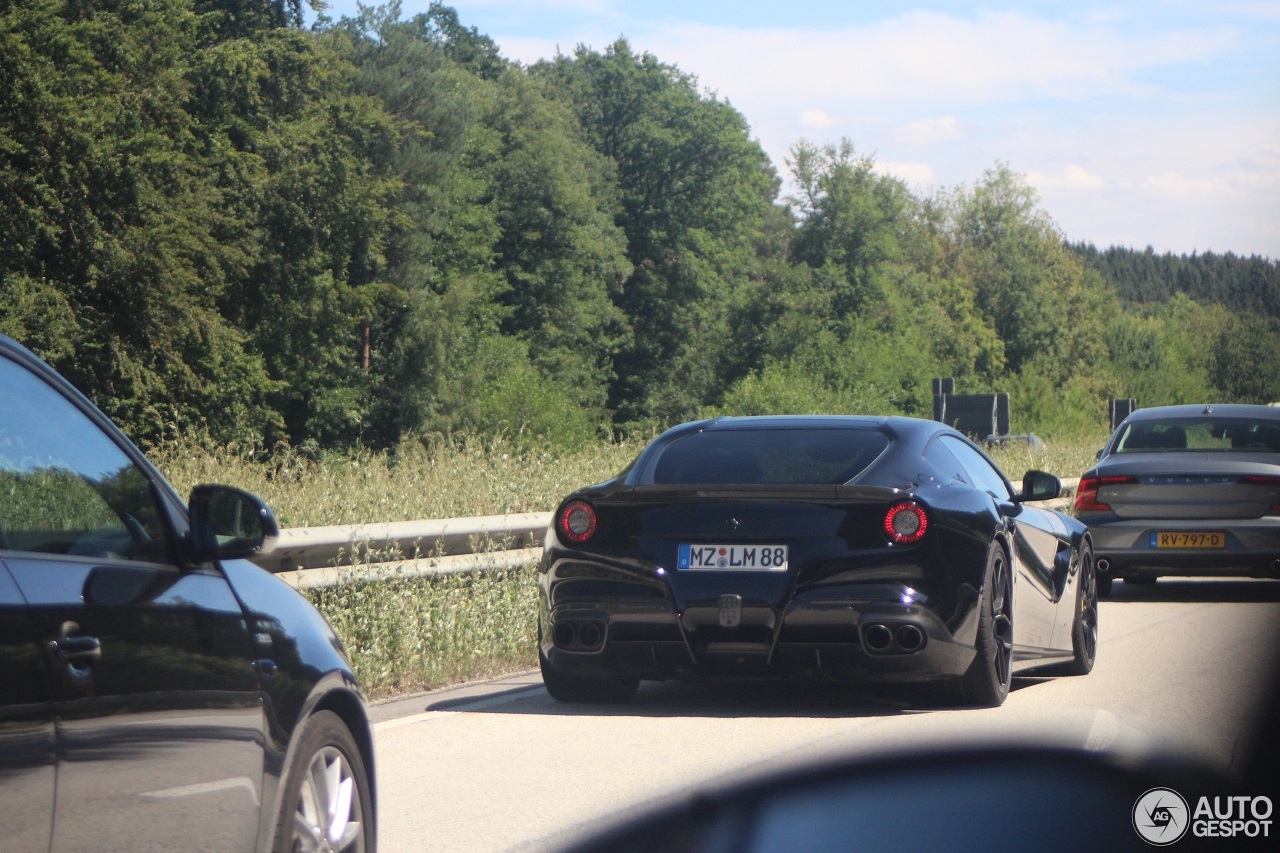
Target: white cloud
(1257,174)
(1174,184)
(916,175)
(994,57)
(818,119)
(1072,177)
(930,131)
(529,50)
(1259,169)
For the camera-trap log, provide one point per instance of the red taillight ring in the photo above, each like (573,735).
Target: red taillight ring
(905,523)
(577,522)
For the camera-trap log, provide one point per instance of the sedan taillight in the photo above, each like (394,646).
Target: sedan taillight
(1263,480)
(905,523)
(1087,492)
(576,522)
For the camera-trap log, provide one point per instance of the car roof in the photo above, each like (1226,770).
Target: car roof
(9,344)
(1229,410)
(898,424)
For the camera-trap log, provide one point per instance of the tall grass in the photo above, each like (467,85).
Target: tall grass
(1065,458)
(407,635)
(415,481)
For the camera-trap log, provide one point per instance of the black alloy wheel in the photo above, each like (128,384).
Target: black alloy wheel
(1084,627)
(986,683)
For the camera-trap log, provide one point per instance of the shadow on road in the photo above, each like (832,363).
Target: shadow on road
(725,699)
(1190,590)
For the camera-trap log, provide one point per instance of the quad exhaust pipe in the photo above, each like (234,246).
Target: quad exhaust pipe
(909,637)
(878,638)
(901,639)
(565,635)
(579,636)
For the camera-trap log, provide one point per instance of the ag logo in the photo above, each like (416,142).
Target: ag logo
(1161,817)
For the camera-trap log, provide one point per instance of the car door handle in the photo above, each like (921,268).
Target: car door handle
(77,649)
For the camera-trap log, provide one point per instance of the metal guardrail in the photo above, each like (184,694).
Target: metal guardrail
(417,568)
(311,557)
(321,547)
(308,557)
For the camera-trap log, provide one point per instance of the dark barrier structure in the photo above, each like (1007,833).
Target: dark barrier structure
(1121,408)
(976,415)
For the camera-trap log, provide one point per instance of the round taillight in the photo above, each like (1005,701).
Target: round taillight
(905,523)
(577,522)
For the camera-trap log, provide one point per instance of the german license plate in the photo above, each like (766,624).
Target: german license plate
(1198,539)
(734,558)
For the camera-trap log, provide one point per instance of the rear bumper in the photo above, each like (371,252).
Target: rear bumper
(1127,547)
(871,639)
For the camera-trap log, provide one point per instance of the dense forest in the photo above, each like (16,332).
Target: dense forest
(222,224)
(1242,285)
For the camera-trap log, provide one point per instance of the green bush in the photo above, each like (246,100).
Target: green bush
(408,635)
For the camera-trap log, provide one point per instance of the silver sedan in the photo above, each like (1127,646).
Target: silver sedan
(1186,490)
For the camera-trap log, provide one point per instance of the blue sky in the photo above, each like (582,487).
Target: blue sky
(1137,122)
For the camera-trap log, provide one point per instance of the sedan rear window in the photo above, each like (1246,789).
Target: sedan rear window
(769,456)
(1201,435)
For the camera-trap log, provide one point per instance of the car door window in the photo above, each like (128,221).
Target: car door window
(983,474)
(69,489)
(945,462)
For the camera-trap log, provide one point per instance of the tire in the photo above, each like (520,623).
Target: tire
(1103,582)
(1141,580)
(574,688)
(1084,626)
(986,683)
(313,806)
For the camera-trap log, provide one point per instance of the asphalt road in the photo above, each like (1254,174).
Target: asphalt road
(502,766)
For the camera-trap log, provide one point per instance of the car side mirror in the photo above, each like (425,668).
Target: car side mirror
(229,523)
(1097,456)
(1039,486)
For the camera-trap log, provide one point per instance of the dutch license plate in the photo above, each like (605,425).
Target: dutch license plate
(733,558)
(1200,539)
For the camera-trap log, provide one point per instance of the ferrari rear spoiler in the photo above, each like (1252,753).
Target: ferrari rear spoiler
(736,491)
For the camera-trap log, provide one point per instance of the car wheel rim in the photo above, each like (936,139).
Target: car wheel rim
(328,817)
(1089,609)
(1002,619)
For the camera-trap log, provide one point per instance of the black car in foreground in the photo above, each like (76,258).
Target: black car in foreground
(157,691)
(847,548)
(1186,490)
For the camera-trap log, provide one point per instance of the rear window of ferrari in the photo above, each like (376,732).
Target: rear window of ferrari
(1201,435)
(808,456)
